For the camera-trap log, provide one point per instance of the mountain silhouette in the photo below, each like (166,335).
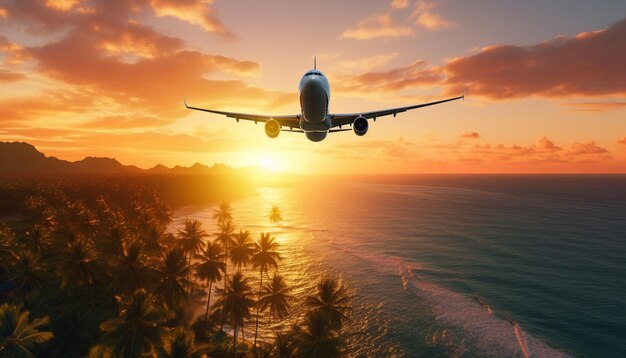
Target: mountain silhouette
(20,159)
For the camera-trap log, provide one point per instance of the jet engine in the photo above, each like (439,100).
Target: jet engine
(272,128)
(360,126)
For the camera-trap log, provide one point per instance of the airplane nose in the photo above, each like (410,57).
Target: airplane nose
(313,101)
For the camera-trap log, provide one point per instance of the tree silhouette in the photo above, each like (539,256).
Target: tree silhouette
(137,329)
(17,333)
(210,267)
(265,257)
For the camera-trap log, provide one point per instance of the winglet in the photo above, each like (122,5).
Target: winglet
(463,96)
(185,101)
(315,62)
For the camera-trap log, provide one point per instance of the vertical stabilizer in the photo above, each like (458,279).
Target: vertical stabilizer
(315,62)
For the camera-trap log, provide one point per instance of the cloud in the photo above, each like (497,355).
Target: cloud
(543,150)
(199,13)
(393,150)
(595,106)
(52,15)
(62,5)
(377,26)
(416,74)
(425,17)
(383,26)
(366,63)
(622,140)
(8,76)
(469,135)
(124,69)
(399,4)
(125,122)
(590,64)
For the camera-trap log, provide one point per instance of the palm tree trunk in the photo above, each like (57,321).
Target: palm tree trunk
(258,308)
(208,301)
(225,282)
(189,283)
(235,338)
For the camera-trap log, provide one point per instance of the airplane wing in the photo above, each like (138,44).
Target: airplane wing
(291,121)
(347,118)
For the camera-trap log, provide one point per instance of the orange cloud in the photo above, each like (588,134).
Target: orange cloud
(505,72)
(125,66)
(399,4)
(426,18)
(595,106)
(588,65)
(469,135)
(391,150)
(622,140)
(125,122)
(62,5)
(8,76)
(199,13)
(542,151)
(377,26)
(416,74)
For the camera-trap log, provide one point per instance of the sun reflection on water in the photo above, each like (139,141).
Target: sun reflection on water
(302,264)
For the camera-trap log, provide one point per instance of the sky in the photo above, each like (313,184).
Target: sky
(545,82)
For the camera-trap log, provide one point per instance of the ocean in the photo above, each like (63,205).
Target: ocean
(456,265)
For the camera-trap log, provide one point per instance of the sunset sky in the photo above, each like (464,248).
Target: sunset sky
(545,82)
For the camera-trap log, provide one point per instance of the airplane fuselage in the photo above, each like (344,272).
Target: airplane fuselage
(314,93)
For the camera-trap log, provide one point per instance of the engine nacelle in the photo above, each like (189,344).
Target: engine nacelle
(360,126)
(272,128)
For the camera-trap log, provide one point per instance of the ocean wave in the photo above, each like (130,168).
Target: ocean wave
(488,332)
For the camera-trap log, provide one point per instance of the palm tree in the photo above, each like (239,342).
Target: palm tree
(27,270)
(100,351)
(223,214)
(182,344)
(7,245)
(154,239)
(173,273)
(242,250)
(138,327)
(332,301)
(275,216)
(317,339)
(283,346)
(38,239)
(225,238)
(236,302)
(191,238)
(265,256)
(113,240)
(17,333)
(210,268)
(78,264)
(130,272)
(275,296)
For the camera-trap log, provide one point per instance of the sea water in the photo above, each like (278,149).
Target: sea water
(460,266)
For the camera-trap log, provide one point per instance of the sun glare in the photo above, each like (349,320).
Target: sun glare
(269,163)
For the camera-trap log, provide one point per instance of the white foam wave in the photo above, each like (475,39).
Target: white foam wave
(488,332)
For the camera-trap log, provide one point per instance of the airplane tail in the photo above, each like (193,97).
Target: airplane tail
(315,62)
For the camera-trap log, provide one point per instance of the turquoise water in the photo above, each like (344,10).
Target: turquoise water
(463,266)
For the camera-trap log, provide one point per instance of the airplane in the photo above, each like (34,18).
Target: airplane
(314,119)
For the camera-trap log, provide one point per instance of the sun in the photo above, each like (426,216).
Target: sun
(269,163)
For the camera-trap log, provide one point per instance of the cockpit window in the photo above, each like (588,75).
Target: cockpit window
(313,73)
